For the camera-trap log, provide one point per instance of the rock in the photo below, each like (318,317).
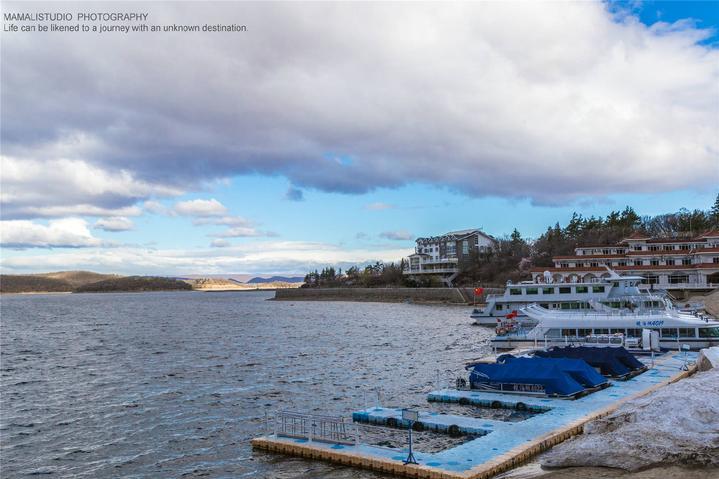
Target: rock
(677,424)
(708,359)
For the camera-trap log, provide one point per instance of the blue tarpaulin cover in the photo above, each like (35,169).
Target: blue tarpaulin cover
(611,361)
(551,376)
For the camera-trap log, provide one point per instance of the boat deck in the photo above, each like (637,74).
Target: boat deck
(500,445)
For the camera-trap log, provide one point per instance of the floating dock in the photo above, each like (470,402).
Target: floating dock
(499,445)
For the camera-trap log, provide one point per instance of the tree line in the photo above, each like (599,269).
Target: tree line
(514,255)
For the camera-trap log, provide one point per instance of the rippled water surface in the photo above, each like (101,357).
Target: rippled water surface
(176,384)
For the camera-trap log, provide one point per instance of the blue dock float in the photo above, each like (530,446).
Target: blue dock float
(498,448)
(431,421)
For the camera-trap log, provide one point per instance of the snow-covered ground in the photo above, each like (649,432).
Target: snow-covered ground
(677,425)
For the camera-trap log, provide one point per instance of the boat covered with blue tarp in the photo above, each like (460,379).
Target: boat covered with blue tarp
(614,362)
(560,377)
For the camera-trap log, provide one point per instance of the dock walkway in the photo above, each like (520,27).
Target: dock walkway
(500,445)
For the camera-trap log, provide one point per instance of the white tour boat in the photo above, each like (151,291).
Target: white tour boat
(613,327)
(615,291)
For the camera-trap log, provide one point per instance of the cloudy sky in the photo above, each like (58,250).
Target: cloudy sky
(336,133)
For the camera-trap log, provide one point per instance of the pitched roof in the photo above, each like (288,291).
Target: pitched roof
(710,234)
(636,236)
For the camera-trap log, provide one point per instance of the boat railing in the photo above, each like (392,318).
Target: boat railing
(538,311)
(314,427)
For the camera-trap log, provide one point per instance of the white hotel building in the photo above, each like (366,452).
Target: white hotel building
(667,263)
(441,255)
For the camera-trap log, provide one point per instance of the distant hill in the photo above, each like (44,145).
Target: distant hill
(277,279)
(134,284)
(31,283)
(214,284)
(79,278)
(58,282)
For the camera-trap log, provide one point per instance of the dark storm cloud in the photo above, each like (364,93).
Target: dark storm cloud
(487,99)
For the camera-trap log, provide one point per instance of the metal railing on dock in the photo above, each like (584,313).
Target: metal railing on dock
(315,427)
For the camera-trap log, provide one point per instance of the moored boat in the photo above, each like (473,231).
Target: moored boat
(675,329)
(613,291)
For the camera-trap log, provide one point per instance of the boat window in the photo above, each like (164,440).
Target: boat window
(634,333)
(668,333)
(709,332)
(565,305)
(565,290)
(584,332)
(569,332)
(616,284)
(582,289)
(687,333)
(547,290)
(498,307)
(601,331)
(532,291)
(544,305)
(515,291)
(574,305)
(616,331)
(597,289)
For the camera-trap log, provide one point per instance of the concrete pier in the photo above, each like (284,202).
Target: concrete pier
(500,445)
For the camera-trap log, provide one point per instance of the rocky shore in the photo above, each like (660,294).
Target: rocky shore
(676,426)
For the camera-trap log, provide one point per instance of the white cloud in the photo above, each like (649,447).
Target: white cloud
(117,223)
(62,233)
(223,220)
(549,100)
(378,206)
(399,235)
(200,207)
(240,232)
(256,257)
(34,188)
(220,243)
(156,208)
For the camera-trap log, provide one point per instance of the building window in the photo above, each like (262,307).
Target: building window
(637,247)
(715,260)
(465,247)
(650,279)
(564,265)
(622,263)
(686,261)
(678,278)
(594,264)
(606,251)
(655,262)
(654,248)
(668,247)
(684,246)
(638,262)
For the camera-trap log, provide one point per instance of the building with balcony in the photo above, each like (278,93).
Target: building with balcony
(666,263)
(441,255)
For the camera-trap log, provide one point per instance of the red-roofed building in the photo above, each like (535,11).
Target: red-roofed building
(669,263)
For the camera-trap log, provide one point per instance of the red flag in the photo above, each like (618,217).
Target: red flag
(478,291)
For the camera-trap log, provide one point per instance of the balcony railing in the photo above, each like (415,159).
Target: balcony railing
(691,285)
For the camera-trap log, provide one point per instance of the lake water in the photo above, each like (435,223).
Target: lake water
(176,384)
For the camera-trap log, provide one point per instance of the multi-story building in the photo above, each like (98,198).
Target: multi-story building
(441,255)
(667,263)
